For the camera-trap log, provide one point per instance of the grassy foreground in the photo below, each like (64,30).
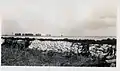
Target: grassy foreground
(13,56)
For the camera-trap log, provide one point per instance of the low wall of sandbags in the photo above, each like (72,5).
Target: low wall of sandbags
(57,46)
(64,46)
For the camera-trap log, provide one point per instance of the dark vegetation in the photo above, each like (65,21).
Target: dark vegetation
(18,54)
(88,41)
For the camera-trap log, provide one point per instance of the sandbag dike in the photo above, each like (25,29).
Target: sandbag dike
(57,46)
(55,53)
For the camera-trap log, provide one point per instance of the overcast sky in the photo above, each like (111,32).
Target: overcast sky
(55,17)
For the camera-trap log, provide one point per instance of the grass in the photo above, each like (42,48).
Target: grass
(12,55)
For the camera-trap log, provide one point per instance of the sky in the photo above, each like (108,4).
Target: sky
(56,17)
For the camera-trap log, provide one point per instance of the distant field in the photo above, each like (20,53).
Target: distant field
(69,37)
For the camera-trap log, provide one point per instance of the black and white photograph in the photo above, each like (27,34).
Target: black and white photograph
(58,33)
